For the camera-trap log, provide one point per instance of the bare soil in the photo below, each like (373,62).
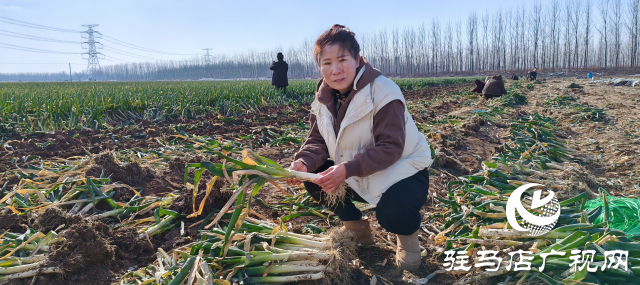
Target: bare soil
(614,142)
(92,253)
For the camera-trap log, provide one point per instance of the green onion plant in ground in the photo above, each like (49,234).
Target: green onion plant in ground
(476,218)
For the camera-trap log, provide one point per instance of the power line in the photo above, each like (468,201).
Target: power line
(43,27)
(111,57)
(15,47)
(125,53)
(25,36)
(132,46)
(122,61)
(35,26)
(40,63)
(29,37)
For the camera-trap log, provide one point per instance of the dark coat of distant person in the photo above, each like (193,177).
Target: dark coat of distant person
(494,87)
(479,86)
(280,69)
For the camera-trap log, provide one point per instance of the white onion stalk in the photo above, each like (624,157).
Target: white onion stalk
(293,256)
(309,237)
(20,268)
(277,174)
(285,268)
(285,279)
(30,273)
(270,168)
(151,230)
(106,214)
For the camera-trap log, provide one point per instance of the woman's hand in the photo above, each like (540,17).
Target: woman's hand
(332,178)
(296,166)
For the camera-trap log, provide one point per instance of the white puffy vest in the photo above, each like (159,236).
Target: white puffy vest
(356,133)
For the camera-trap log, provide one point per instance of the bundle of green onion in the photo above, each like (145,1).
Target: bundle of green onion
(24,255)
(256,253)
(475,213)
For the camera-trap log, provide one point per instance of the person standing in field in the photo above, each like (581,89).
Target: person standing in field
(280,69)
(534,73)
(494,87)
(362,134)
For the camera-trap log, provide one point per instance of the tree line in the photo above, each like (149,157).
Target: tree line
(560,35)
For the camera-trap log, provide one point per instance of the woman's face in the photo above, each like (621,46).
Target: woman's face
(338,68)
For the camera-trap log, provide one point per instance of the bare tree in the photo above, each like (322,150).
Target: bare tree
(472,34)
(483,52)
(459,48)
(633,27)
(587,29)
(513,39)
(422,48)
(384,52)
(617,33)
(604,17)
(448,46)
(395,46)
(435,45)
(575,25)
(409,40)
(537,25)
(523,44)
(568,9)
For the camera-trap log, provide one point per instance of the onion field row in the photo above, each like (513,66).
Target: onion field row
(50,106)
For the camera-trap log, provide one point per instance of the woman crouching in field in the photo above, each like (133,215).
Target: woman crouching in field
(494,87)
(362,134)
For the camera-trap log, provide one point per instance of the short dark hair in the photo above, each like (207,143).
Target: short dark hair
(280,56)
(338,34)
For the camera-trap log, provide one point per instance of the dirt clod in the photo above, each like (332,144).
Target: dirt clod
(53,218)
(449,137)
(475,123)
(216,199)
(86,245)
(448,162)
(12,223)
(129,247)
(564,132)
(130,173)
(91,253)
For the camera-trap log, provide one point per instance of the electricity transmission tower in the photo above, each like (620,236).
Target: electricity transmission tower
(207,56)
(92,55)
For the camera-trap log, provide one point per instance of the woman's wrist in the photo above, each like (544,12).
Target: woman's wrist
(353,168)
(308,162)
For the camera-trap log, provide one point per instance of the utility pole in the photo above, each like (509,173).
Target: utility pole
(92,55)
(207,56)
(70,79)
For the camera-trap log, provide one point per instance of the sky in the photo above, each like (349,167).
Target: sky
(188,26)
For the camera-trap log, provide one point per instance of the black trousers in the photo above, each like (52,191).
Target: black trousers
(283,89)
(398,210)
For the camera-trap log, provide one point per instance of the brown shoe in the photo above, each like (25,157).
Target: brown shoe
(408,252)
(361,230)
